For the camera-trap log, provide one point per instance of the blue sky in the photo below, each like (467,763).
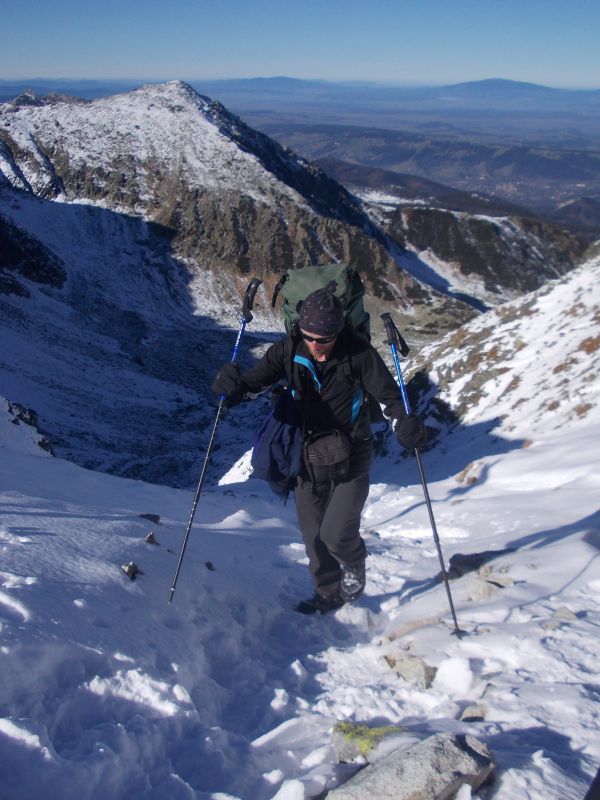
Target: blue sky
(552,42)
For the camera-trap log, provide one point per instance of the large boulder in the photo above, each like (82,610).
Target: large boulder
(434,769)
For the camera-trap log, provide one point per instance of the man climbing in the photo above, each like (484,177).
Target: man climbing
(331,370)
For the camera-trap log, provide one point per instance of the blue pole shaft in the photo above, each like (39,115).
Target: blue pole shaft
(205,464)
(436,537)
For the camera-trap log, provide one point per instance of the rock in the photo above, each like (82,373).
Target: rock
(561,616)
(434,769)
(351,739)
(565,614)
(413,669)
(151,538)
(461,564)
(473,714)
(480,589)
(482,585)
(132,570)
(497,577)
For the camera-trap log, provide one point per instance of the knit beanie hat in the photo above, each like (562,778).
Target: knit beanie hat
(322,312)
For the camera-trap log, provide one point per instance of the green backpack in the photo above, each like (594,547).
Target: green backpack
(296,284)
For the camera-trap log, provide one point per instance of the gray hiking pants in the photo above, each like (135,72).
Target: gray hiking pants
(330,521)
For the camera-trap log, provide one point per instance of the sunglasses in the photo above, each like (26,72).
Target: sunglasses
(318,340)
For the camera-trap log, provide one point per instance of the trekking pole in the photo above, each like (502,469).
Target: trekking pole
(396,341)
(246,318)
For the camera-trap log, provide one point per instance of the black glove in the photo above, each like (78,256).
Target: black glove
(411,432)
(228,382)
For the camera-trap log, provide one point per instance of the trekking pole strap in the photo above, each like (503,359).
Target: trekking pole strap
(278,287)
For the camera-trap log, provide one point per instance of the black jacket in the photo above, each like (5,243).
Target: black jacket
(332,393)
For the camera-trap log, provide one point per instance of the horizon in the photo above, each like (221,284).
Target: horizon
(392,42)
(341,82)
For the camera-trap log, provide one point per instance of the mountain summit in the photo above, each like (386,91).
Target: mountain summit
(233,199)
(166,128)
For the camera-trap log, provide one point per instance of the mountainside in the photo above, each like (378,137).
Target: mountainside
(235,200)
(492,258)
(525,369)
(130,227)
(109,691)
(361,179)
(477,245)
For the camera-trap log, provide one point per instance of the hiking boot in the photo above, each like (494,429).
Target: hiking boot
(353,582)
(321,603)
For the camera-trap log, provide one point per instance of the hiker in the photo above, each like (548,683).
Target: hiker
(331,369)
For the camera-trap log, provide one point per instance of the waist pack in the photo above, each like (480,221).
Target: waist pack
(327,457)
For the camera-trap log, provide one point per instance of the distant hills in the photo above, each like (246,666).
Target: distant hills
(492,94)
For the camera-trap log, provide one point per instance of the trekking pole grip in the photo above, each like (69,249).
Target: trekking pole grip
(394,336)
(246,318)
(396,341)
(249,298)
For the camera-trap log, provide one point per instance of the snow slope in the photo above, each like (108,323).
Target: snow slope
(528,367)
(109,691)
(117,363)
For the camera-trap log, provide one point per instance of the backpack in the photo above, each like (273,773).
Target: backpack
(278,449)
(296,284)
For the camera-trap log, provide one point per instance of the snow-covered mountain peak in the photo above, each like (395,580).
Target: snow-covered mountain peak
(161,145)
(150,135)
(171,97)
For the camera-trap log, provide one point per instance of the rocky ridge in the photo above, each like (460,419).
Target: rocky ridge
(494,258)
(526,367)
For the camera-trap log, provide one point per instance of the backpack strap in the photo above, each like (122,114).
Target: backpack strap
(345,370)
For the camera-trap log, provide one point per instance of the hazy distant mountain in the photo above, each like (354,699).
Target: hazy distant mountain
(276,93)
(87,89)
(493,94)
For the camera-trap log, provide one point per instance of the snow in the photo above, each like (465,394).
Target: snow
(69,353)
(110,691)
(200,148)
